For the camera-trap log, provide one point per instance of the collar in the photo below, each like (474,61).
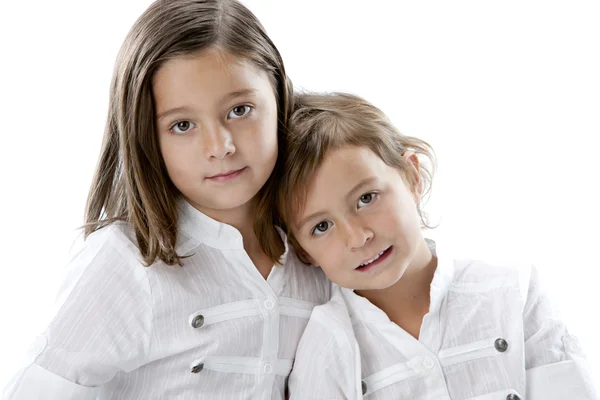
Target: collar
(206,230)
(203,229)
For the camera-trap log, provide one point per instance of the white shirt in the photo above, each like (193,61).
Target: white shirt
(124,331)
(489,335)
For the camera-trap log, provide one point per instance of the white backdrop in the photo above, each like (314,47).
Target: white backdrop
(507,92)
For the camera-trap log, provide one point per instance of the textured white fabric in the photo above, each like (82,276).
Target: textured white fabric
(123,331)
(457,356)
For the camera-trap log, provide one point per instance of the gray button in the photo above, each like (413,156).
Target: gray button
(198,321)
(512,396)
(197,368)
(501,345)
(364,387)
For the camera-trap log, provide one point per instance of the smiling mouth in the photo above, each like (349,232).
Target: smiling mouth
(379,258)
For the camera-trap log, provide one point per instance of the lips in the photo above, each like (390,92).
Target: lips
(375,260)
(369,261)
(225,174)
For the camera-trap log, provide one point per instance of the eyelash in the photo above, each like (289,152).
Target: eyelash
(251,108)
(374,198)
(174,124)
(178,122)
(374,194)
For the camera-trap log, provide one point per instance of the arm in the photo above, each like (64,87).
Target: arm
(100,327)
(555,364)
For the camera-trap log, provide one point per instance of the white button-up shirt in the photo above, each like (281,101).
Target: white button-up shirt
(489,335)
(214,329)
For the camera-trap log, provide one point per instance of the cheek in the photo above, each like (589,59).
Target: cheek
(166,153)
(265,131)
(266,145)
(330,266)
(401,212)
(313,250)
(329,256)
(404,225)
(268,141)
(180,160)
(388,221)
(257,140)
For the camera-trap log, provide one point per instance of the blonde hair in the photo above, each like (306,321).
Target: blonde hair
(131,182)
(322,123)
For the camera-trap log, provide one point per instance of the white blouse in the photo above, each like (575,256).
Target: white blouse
(214,329)
(489,335)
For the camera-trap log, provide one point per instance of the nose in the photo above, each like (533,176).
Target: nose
(218,142)
(356,234)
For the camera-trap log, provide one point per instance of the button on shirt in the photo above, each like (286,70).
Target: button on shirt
(214,329)
(489,335)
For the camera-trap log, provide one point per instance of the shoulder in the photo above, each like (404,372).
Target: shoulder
(330,324)
(107,264)
(479,275)
(111,250)
(329,328)
(117,237)
(102,316)
(305,281)
(327,363)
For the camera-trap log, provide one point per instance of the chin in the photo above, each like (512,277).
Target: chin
(378,286)
(227,200)
(228,205)
(385,281)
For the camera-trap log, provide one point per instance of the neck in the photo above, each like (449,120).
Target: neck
(408,299)
(242,218)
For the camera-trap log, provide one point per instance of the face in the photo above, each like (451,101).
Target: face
(360,223)
(217,127)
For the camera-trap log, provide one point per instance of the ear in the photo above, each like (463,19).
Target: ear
(413,175)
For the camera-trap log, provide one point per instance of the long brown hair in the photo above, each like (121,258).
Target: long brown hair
(321,123)
(131,182)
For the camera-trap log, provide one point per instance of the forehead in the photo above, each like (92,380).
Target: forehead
(344,166)
(339,172)
(206,75)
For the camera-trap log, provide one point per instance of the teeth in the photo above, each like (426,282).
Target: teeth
(372,259)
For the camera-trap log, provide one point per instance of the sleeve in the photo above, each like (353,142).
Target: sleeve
(555,364)
(100,325)
(327,364)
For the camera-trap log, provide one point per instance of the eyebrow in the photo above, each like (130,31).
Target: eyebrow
(361,184)
(227,97)
(172,111)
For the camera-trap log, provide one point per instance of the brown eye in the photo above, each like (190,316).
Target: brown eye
(321,228)
(366,199)
(182,127)
(239,111)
